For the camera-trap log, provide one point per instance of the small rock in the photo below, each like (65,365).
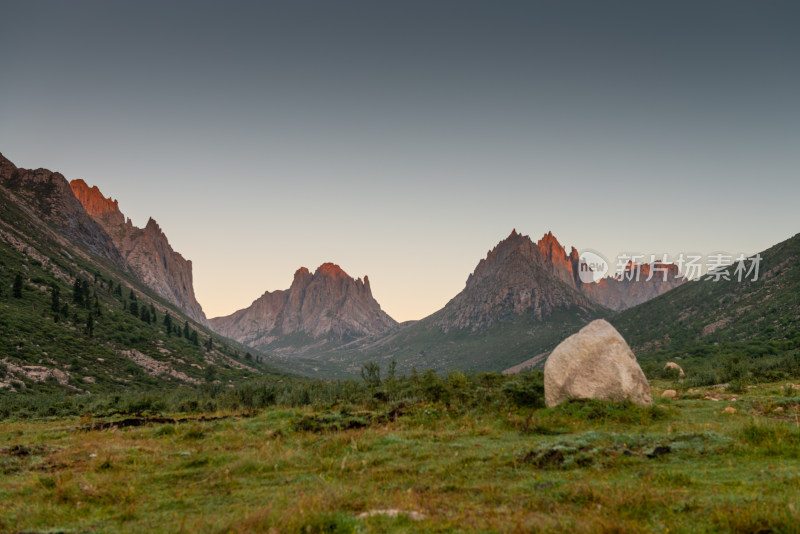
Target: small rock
(673,365)
(669,394)
(391,512)
(729,409)
(779,409)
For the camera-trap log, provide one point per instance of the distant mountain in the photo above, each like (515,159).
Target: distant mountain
(517,276)
(73,316)
(520,301)
(729,317)
(326,305)
(146,251)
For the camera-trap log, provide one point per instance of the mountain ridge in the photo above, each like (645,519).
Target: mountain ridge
(146,251)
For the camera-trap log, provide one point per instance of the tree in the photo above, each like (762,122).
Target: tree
(211,373)
(77,292)
(133,307)
(55,298)
(90,325)
(195,340)
(371,374)
(186,329)
(97,309)
(17,291)
(145,316)
(168,323)
(210,343)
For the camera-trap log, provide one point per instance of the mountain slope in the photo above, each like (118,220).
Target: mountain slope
(146,251)
(73,319)
(730,317)
(328,304)
(49,196)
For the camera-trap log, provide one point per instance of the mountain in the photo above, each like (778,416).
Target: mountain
(744,318)
(48,195)
(75,319)
(517,276)
(146,251)
(521,300)
(326,305)
(638,283)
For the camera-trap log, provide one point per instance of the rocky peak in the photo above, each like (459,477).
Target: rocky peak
(95,203)
(328,304)
(146,251)
(331,270)
(6,167)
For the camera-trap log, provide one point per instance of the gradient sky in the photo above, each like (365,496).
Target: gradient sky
(404,139)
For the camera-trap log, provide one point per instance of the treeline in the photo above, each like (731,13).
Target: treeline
(455,390)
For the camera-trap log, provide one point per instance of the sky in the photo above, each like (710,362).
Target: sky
(403,140)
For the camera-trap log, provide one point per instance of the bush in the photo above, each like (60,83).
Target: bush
(527,389)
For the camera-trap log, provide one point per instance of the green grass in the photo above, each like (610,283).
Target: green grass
(680,466)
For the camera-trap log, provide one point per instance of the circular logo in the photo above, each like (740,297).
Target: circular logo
(591,267)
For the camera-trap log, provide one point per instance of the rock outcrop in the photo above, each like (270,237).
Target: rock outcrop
(676,367)
(595,363)
(146,251)
(326,304)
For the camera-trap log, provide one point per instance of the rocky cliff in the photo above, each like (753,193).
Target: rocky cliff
(146,251)
(326,304)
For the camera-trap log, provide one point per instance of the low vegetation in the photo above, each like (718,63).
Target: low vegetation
(423,453)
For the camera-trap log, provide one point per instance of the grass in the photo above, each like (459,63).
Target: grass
(680,466)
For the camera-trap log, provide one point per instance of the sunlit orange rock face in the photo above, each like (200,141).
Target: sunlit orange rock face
(146,251)
(326,304)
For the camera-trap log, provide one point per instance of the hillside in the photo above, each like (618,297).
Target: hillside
(73,319)
(725,322)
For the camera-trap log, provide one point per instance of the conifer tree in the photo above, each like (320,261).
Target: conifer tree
(55,298)
(168,323)
(17,291)
(90,325)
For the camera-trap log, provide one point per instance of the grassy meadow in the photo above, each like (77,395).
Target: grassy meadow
(434,463)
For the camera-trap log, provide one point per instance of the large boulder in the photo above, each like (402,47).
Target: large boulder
(595,363)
